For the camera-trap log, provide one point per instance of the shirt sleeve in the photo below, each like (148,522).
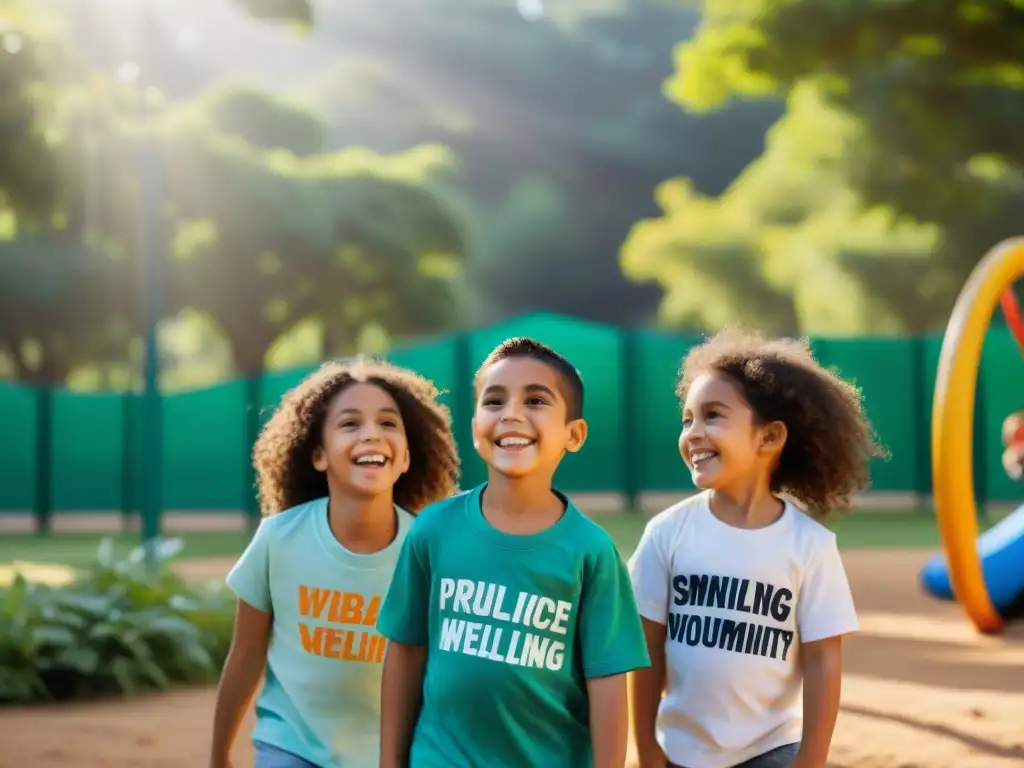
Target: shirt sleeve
(825,605)
(249,579)
(649,573)
(611,636)
(405,616)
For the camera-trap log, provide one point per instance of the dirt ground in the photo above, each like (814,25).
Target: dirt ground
(921,690)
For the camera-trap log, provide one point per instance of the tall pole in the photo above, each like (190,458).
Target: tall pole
(151,491)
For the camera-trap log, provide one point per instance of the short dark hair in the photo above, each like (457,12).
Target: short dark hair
(830,443)
(568,376)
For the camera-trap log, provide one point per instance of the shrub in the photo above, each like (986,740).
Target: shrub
(113,630)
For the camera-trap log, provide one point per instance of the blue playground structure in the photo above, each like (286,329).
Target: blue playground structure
(1001,550)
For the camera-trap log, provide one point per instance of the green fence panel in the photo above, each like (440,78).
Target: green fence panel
(658,411)
(17,448)
(1002,386)
(97,438)
(885,370)
(88,451)
(440,361)
(596,352)
(986,444)
(133,445)
(204,455)
(276,385)
(932,349)
(434,360)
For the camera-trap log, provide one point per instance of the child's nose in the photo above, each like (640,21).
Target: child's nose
(512,412)
(369,432)
(695,430)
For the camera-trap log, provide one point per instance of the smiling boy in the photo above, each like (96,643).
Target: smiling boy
(511,616)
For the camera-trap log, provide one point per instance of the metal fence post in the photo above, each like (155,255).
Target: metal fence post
(462,402)
(128,464)
(922,422)
(632,436)
(43,507)
(253,403)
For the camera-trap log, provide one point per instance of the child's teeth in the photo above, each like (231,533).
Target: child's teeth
(513,441)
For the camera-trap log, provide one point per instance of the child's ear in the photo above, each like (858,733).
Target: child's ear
(773,436)
(319,459)
(476,435)
(577,435)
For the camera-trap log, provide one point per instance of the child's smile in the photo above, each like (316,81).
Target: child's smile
(520,423)
(364,442)
(716,437)
(370,460)
(702,459)
(514,443)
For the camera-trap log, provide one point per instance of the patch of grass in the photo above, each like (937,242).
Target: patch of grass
(875,529)
(79,549)
(867,529)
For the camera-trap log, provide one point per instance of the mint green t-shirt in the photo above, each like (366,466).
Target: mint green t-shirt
(321,694)
(514,626)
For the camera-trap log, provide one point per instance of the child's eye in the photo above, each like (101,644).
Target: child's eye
(536,401)
(490,401)
(687,423)
(389,424)
(349,424)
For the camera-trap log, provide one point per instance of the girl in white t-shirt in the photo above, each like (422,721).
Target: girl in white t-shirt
(743,596)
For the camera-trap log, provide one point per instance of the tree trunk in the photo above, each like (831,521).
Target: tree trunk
(250,347)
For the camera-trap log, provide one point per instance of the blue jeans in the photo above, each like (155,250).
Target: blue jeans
(269,756)
(780,757)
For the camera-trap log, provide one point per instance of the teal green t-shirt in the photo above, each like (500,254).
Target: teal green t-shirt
(514,626)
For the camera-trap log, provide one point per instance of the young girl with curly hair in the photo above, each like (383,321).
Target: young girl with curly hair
(352,453)
(743,596)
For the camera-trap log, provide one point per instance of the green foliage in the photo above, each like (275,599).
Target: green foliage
(64,304)
(298,13)
(894,169)
(29,172)
(265,238)
(788,247)
(263,120)
(114,629)
(557,123)
(935,85)
(62,297)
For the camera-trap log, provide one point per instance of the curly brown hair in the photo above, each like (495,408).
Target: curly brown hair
(283,454)
(830,441)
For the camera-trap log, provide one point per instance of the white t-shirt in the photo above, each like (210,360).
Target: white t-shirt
(736,603)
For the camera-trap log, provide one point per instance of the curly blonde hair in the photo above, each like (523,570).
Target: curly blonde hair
(830,440)
(283,454)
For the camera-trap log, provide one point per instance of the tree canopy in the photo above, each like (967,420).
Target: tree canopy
(897,157)
(565,106)
(262,226)
(265,238)
(63,299)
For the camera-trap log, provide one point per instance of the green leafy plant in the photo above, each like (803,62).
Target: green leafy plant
(118,628)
